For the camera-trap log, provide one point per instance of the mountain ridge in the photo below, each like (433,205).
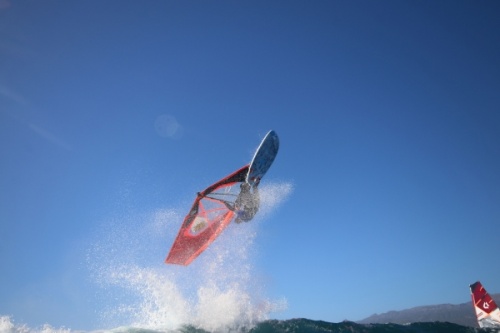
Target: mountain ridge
(461,314)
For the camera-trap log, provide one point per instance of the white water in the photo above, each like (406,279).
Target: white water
(219,291)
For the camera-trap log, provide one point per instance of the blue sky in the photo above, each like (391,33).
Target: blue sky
(387,112)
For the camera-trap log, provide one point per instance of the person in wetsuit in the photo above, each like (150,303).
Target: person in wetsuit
(247,203)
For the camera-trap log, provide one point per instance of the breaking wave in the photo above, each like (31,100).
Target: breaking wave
(278,326)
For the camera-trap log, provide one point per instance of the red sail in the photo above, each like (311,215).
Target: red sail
(487,312)
(481,298)
(208,217)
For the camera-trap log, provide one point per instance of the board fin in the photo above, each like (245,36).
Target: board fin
(487,312)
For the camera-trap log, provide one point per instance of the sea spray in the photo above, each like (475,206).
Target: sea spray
(217,292)
(160,305)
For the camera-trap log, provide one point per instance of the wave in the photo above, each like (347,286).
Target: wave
(271,326)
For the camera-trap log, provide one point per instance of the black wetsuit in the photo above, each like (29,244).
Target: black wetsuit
(247,203)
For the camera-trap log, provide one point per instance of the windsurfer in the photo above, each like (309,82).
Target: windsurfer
(247,203)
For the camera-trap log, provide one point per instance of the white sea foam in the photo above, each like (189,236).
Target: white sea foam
(7,325)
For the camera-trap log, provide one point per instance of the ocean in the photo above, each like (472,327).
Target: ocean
(270,326)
